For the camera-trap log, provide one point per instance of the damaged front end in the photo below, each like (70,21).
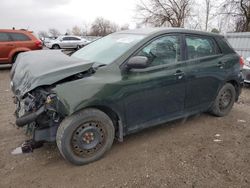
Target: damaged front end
(38,108)
(39,113)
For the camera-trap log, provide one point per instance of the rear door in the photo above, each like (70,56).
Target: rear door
(6,46)
(21,40)
(75,42)
(205,71)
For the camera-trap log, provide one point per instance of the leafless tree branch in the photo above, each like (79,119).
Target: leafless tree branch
(164,12)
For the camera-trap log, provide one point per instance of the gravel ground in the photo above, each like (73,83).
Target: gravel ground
(201,151)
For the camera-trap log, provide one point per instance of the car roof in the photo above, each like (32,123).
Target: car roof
(15,31)
(163,30)
(70,36)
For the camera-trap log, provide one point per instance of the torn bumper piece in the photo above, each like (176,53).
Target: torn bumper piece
(27,147)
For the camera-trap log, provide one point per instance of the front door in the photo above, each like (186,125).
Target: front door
(156,93)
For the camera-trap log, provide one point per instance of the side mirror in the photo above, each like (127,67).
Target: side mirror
(137,62)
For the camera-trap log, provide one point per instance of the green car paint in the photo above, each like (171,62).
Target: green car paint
(146,97)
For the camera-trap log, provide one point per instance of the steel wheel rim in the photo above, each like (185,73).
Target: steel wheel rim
(225,99)
(88,139)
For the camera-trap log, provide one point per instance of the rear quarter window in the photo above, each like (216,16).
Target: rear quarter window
(19,37)
(224,45)
(4,37)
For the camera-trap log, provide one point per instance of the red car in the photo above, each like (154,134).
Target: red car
(13,42)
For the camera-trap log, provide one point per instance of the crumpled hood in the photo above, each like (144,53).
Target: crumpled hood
(43,67)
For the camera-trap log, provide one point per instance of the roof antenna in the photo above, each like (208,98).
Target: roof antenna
(13,28)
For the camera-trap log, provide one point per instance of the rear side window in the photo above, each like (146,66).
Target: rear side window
(198,47)
(74,38)
(4,37)
(19,37)
(67,38)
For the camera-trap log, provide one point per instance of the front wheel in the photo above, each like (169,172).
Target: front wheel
(224,101)
(85,137)
(56,47)
(15,57)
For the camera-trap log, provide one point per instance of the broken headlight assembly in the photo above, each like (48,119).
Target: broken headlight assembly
(40,113)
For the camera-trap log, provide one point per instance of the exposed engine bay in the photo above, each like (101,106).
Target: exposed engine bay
(40,112)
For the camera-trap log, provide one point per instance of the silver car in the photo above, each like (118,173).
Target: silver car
(246,71)
(67,42)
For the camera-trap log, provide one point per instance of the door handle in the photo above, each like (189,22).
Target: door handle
(221,65)
(179,74)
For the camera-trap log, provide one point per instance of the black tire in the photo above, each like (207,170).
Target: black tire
(56,46)
(78,47)
(85,137)
(224,101)
(247,85)
(14,58)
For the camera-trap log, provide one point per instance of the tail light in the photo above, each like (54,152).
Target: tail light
(38,44)
(241,62)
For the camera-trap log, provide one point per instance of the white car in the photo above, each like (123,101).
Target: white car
(67,42)
(246,71)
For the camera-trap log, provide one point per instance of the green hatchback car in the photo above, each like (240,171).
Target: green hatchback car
(120,84)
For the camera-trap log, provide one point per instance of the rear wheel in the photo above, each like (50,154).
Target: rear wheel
(78,47)
(224,101)
(85,137)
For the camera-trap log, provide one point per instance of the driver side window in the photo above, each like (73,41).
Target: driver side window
(164,50)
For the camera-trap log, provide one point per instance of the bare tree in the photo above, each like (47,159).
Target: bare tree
(85,28)
(76,31)
(125,27)
(214,30)
(164,12)
(102,27)
(138,25)
(42,34)
(68,32)
(54,32)
(239,10)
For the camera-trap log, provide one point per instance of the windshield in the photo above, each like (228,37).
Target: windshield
(109,48)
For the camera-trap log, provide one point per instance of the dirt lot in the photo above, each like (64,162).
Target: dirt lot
(178,154)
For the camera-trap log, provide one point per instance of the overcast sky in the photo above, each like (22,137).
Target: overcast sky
(40,15)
